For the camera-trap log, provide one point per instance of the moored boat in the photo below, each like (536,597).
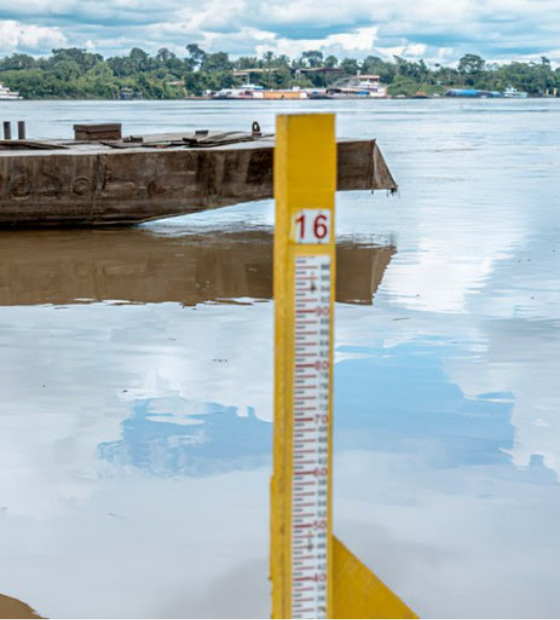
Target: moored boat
(254,92)
(358,86)
(6,94)
(473,93)
(512,93)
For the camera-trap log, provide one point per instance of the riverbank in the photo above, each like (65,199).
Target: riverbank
(309,99)
(74,73)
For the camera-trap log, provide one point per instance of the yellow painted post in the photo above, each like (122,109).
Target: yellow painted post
(358,593)
(304,267)
(313,574)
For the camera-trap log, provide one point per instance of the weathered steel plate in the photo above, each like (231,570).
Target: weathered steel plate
(94,184)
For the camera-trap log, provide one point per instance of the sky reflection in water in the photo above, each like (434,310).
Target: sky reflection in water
(135,439)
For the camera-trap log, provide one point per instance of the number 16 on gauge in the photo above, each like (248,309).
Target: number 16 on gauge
(312,226)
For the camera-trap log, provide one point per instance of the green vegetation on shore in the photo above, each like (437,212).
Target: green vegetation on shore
(77,74)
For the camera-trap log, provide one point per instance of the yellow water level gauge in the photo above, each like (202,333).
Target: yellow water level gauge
(313,575)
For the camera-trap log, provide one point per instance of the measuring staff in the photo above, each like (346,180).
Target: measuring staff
(313,575)
(304,267)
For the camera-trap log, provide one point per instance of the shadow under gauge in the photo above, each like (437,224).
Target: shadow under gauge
(12,608)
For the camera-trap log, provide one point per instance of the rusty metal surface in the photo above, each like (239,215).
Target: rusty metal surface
(90,184)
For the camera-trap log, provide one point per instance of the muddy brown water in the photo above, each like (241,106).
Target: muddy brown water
(136,378)
(134,266)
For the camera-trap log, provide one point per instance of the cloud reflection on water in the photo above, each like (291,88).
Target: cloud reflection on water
(136,481)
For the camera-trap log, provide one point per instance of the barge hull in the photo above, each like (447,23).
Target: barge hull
(100,185)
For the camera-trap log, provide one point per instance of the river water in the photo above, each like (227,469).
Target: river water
(136,377)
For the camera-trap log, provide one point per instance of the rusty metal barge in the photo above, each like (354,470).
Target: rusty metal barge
(101,178)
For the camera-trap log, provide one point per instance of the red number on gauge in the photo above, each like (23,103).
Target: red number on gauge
(312,226)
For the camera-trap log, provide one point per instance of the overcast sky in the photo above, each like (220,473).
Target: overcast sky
(437,30)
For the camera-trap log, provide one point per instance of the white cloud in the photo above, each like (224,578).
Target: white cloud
(329,12)
(15,35)
(37,7)
(496,29)
(362,40)
(408,50)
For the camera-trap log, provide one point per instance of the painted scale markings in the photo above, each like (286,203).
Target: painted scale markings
(311,436)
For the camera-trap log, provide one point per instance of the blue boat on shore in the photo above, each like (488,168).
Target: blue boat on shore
(472,93)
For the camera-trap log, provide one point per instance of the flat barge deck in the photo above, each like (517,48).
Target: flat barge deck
(58,183)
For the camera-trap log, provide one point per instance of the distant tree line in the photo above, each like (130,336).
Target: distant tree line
(74,73)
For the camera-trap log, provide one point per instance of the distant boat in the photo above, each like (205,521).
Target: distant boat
(127,94)
(8,95)
(358,86)
(252,91)
(245,91)
(317,93)
(512,93)
(473,93)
